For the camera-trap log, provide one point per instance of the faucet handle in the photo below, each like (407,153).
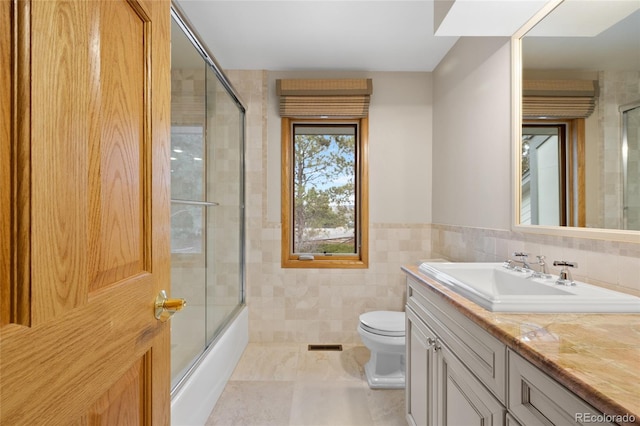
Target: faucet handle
(565,264)
(565,275)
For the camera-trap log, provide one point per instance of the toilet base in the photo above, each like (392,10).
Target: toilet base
(385,371)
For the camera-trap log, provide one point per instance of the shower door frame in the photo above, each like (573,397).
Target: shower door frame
(178,16)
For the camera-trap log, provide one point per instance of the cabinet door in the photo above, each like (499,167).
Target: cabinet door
(420,372)
(510,421)
(535,399)
(475,347)
(463,400)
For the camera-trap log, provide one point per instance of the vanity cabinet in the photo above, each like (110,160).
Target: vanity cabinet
(441,390)
(538,400)
(457,374)
(482,353)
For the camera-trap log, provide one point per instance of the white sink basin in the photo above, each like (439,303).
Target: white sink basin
(499,289)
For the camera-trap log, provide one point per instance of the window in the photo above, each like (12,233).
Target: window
(324,193)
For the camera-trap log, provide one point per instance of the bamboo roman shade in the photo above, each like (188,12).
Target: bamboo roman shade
(558,98)
(324,98)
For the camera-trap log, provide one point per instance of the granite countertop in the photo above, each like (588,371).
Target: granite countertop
(597,356)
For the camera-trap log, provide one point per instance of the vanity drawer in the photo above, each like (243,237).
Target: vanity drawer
(482,353)
(536,399)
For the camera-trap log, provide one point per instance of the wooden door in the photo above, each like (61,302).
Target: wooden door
(84,204)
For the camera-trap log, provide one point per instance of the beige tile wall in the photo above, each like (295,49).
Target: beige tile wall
(605,263)
(309,305)
(616,88)
(312,305)
(322,306)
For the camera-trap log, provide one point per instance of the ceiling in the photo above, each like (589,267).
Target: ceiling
(398,35)
(356,35)
(571,38)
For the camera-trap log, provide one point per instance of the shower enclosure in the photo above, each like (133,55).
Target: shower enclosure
(631,165)
(207,200)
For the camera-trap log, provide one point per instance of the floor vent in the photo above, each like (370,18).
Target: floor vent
(325,347)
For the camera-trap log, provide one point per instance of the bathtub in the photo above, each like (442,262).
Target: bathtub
(192,403)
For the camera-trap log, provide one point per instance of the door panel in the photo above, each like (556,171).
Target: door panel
(5,162)
(59,61)
(85,231)
(125,402)
(464,401)
(121,146)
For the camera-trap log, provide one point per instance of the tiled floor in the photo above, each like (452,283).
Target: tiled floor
(285,384)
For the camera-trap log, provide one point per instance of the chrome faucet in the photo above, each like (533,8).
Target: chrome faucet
(526,267)
(544,271)
(523,259)
(510,263)
(543,264)
(564,277)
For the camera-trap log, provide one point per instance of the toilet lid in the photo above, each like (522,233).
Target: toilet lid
(387,323)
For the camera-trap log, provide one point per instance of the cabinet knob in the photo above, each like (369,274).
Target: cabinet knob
(434,342)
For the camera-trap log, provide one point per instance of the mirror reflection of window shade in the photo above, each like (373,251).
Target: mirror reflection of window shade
(324,98)
(558,98)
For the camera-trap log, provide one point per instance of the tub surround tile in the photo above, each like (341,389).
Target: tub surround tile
(597,356)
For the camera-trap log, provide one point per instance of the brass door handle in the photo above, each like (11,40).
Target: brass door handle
(165,307)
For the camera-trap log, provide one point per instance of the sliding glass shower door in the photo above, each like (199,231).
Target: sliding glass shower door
(207,226)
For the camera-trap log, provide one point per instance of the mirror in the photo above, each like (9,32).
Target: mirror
(579,163)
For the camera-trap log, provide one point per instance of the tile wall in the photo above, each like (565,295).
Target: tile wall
(310,305)
(616,88)
(608,264)
(322,306)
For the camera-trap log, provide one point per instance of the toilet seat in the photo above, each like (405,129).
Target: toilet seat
(384,323)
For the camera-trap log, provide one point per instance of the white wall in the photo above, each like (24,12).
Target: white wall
(472,174)
(472,134)
(400,116)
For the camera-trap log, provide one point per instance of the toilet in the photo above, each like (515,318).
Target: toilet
(383,333)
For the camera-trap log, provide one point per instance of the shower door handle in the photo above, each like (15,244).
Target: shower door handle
(165,307)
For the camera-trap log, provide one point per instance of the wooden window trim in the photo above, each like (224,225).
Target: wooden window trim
(574,212)
(289,260)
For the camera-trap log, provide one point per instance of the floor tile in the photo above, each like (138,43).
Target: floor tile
(332,365)
(288,385)
(387,406)
(326,403)
(268,362)
(253,403)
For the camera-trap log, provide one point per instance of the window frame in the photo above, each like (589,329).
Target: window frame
(361,258)
(573,160)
